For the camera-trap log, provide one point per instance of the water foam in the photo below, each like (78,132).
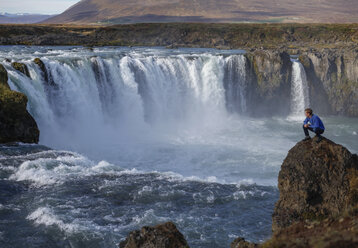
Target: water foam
(45,216)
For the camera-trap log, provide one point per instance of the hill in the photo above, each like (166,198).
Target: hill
(132,11)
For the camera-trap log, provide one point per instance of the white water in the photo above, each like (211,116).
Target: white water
(100,99)
(154,110)
(164,138)
(299,91)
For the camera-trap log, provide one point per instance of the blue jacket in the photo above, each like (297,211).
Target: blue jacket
(315,121)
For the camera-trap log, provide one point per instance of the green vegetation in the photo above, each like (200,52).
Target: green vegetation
(16,123)
(12,103)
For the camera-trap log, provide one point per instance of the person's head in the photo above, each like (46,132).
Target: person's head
(308,112)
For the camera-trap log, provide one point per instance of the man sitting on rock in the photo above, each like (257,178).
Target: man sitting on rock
(314,124)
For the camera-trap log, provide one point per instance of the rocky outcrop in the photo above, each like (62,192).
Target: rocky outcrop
(21,67)
(270,74)
(41,64)
(16,124)
(318,205)
(161,236)
(316,181)
(242,243)
(332,76)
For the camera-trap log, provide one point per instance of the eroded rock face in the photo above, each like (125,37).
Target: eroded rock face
(270,73)
(316,181)
(333,80)
(16,124)
(161,236)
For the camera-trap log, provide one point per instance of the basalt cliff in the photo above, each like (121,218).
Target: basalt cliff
(332,75)
(332,78)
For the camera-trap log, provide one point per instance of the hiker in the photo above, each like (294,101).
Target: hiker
(314,124)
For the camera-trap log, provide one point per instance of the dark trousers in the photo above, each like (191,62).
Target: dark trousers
(317,131)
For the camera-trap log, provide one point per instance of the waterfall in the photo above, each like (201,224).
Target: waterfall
(236,84)
(299,90)
(110,96)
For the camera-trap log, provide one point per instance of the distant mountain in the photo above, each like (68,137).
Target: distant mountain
(130,11)
(22,18)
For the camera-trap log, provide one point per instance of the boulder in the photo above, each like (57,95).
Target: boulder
(316,181)
(242,243)
(161,236)
(318,204)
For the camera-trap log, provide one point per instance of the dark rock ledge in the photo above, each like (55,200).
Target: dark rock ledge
(16,124)
(318,205)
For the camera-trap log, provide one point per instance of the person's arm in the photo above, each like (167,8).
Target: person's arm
(314,122)
(305,121)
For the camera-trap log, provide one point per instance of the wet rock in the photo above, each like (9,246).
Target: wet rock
(161,236)
(332,75)
(270,74)
(3,77)
(41,64)
(21,67)
(16,124)
(242,243)
(316,181)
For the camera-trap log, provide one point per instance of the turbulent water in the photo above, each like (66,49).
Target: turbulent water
(141,136)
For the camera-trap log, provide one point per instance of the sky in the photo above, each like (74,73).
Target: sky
(36,6)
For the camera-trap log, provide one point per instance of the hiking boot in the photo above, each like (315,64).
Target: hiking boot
(307,138)
(319,139)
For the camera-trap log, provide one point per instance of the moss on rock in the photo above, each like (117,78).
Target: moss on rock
(16,124)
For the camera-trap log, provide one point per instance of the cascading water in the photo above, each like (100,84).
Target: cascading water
(102,98)
(299,90)
(236,84)
(163,138)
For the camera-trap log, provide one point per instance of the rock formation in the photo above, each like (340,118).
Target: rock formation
(270,86)
(316,181)
(21,67)
(332,76)
(16,124)
(161,236)
(242,243)
(318,205)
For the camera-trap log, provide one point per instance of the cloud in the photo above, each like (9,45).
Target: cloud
(36,6)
